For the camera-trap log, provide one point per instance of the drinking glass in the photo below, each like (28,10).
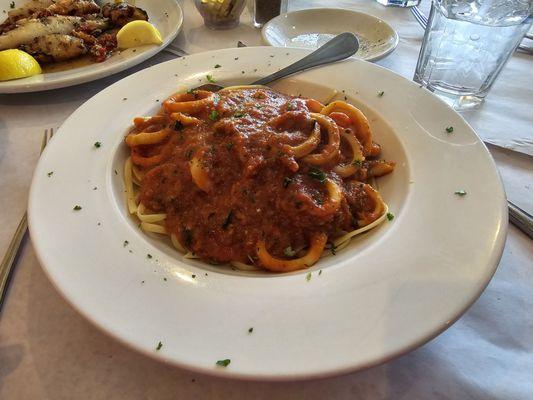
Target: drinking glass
(220,14)
(265,10)
(399,3)
(466,45)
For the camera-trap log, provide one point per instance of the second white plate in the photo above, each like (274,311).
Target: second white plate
(389,291)
(165,15)
(314,27)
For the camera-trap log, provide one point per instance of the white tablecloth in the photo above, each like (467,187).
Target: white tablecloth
(48,351)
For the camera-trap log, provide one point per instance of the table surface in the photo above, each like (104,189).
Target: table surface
(48,351)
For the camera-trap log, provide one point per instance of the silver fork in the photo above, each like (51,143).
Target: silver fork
(423,21)
(175,50)
(13,249)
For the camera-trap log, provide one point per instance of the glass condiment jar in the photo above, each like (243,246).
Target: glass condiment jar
(220,14)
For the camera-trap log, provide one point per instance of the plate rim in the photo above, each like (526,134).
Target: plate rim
(377,57)
(495,257)
(18,86)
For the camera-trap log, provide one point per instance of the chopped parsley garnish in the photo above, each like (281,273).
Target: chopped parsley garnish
(390,216)
(148,255)
(188,154)
(223,363)
(238,114)
(333,249)
(380,94)
(449,129)
(210,78)
(178,126)
(159,346)
(250,330)
(357,163)
(97,144)
(50,173)
(77,208)
(193,276)
(12,4)
(289,252)
(228,220)
(229,146)
(308,276)
(126,243)
(213,115)
(460,193)
(290,107)
(317,174)
(218,66)
(286,181)
(192,91)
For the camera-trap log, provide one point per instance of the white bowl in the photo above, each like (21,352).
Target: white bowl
(314,27)
(389,291)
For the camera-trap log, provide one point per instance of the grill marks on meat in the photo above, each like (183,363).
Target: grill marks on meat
(122,13)
(29,29)
(55,47)
(74,7)
(24,11)
(64,29)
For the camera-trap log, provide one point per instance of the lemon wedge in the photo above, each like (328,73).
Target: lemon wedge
(137,33)
(15,64)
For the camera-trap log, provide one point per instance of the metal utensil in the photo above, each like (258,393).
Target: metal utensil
(423,22)
(339,48)
(11,255)
(521,219)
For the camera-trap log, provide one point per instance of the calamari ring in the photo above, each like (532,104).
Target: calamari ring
(242,87)
(380,168)
(190,103)
(138,139)
(357,157)
(367,217)
(199,173)
(362,127)
(314,105)
(308,145)
(185,120)
(142,123)
(334,200)
(331,150)
(137,159)
(318,241)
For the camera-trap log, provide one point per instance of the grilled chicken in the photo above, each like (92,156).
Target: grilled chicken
(57,30)
(28,9)
(73,7)
(25,11)
(122,13)
(28,29)
(55,47)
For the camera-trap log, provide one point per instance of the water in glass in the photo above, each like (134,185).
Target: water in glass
(466,45)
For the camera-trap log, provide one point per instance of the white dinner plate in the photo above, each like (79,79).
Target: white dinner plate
(312,28)
(165,15)
(388,292)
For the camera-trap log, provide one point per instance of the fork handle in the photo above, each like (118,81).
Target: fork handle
(521,219)
(340,47)
(11,254)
